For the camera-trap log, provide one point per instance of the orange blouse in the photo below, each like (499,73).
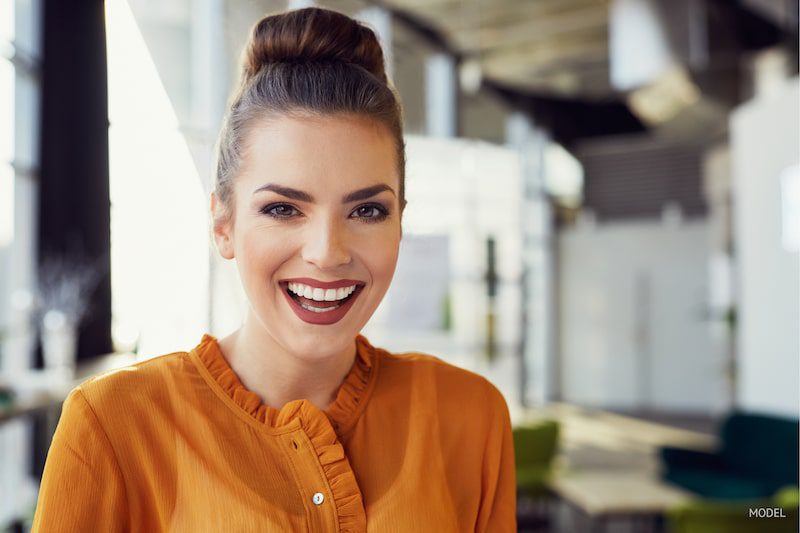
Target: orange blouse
(177,443)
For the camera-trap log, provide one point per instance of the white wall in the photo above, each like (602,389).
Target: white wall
(765,139)
(633,320)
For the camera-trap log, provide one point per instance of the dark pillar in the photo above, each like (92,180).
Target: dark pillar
(74,214)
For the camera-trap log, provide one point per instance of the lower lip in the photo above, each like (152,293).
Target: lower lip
(325,318)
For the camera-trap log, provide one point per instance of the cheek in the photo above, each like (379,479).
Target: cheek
(262,252)
(380,256)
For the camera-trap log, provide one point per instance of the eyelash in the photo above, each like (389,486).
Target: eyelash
(383,213)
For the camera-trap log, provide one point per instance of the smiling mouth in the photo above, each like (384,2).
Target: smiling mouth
(317,306)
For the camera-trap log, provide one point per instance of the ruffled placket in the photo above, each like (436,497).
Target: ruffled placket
(322,427)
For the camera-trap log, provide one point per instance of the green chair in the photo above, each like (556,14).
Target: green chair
(720,516)
(535,446)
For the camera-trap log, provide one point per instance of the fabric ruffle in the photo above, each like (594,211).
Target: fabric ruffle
(344,487)
(321,427)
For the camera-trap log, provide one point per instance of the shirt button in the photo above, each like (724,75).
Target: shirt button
(318,498)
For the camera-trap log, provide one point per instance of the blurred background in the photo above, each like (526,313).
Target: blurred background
(603,219)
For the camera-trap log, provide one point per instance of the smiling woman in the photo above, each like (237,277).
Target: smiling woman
(330,215)
(294,422)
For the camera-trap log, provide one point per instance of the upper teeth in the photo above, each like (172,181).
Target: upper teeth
(321,295)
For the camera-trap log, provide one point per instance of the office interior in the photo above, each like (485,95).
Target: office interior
(603,220)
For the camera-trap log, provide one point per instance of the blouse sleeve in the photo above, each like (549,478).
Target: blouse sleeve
(498,510)
(82,486)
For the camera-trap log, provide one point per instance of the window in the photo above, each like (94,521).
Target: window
(159,261)
(6,126)
(19,124)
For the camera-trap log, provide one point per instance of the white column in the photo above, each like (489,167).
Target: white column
(539,372)
(208,93)
(300,4)
(717,192)
(441,92)
(209,83)
(639,51)
(380,20)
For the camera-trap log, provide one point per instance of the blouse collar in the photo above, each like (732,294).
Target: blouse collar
(342,413)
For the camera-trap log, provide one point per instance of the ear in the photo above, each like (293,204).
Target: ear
(223,227)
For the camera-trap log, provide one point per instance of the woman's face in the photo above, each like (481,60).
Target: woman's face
(315,229)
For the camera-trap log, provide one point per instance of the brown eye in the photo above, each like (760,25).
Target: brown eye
(370,212)
(280,210)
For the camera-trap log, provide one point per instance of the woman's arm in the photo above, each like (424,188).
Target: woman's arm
(498,511)
(82,486)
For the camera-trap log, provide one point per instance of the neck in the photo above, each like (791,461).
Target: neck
(279,376)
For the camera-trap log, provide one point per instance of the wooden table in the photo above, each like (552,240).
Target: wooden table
(604,496)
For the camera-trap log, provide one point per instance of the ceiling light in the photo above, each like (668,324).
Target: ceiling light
(470,75)
(665,98)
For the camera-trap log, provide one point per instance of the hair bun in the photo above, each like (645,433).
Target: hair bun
(313,34)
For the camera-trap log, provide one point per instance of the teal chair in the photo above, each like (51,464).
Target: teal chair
(535,447)
(721,516)
(758,454)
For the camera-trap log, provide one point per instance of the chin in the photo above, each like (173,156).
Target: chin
(322,345)
(310,341)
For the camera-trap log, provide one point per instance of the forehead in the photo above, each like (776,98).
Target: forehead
(319,152)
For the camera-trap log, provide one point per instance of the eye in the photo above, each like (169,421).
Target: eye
(370,212)
(280,210)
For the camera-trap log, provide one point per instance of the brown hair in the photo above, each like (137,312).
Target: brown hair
(308,61)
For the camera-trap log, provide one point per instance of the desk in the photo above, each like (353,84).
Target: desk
(603,496)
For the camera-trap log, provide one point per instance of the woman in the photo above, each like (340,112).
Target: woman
(294,422)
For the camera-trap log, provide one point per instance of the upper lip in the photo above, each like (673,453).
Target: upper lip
(325,284)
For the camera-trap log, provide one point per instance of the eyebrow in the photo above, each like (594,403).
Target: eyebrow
(295,194)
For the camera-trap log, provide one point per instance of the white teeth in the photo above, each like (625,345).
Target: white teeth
(319,294)
(319,309)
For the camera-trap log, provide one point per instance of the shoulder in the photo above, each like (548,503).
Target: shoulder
(110,407)
(119,389)
(422,364)
(449,386)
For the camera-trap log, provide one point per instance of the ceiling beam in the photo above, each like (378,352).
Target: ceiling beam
(548,52)
(569,24)
(423,5)
(569,119)
(577,83)
(477,14)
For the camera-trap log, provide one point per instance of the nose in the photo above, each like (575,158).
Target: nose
(326,245)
